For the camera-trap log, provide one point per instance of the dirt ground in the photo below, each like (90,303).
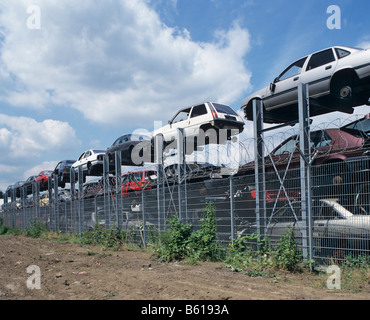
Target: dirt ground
(73,272)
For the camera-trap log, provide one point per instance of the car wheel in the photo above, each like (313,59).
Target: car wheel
(343,89)
(62,182)
(89,168)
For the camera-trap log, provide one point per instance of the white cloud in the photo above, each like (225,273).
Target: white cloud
(46,165)
(23,137)
(364,45)
(115,61)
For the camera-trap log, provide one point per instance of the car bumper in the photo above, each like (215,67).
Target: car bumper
(228,124)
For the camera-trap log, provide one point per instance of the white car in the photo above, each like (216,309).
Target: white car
(91,162)
(335,229)
(338,79)
(198,119)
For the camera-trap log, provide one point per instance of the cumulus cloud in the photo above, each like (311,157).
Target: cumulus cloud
(23,137)
(115,61)
(45,165)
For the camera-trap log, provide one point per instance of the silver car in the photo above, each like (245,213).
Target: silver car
(91,162)
(336,231)
(338,79)
(198,119)
(335,228)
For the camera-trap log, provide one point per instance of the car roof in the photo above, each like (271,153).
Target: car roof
(333,47)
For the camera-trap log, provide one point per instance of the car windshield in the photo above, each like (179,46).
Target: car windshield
(150,175)
(224,109)
(359,128)
(48,172)
(181,115)
(287,147)
(294,69)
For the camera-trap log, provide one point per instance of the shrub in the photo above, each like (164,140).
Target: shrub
(174,243)
(181,242)
(286,255)
(36,228)
(204,242)
(107,238)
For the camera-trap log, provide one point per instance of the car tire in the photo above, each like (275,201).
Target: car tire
(89,165)
(342,89)
(62,182)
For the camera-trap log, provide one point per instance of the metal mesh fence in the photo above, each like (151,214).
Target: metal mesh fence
(340,208)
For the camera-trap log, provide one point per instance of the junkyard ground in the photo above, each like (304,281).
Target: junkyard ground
(73,272)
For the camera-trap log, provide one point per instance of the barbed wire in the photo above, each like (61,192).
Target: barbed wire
(226,159)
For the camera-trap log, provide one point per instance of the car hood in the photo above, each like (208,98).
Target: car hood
(355,225)
(258,94)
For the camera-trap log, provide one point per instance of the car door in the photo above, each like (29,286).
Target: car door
(85,160)
(181,120)
(283,91)
(78,162)
(198,116)
(318,72)
(115,145)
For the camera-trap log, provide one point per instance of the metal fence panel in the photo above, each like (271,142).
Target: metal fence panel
(340,208)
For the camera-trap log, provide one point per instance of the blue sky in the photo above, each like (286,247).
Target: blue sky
(95,70)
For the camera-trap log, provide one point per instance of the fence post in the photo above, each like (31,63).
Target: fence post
(259,167)
(36,197)
(118,161)
(158,159)
(23,191)
(180,165)
(50,195)
(56,202)
(106,189)
(305,168)
(232,216)
(143,212)
(81,206)
(72,181)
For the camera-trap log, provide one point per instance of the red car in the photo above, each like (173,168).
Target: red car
(327,146)
(43,179)
(137,181)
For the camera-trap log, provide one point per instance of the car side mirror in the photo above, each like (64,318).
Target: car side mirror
(272,87)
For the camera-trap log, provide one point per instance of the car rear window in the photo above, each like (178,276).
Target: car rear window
(224,109)
(341,53)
